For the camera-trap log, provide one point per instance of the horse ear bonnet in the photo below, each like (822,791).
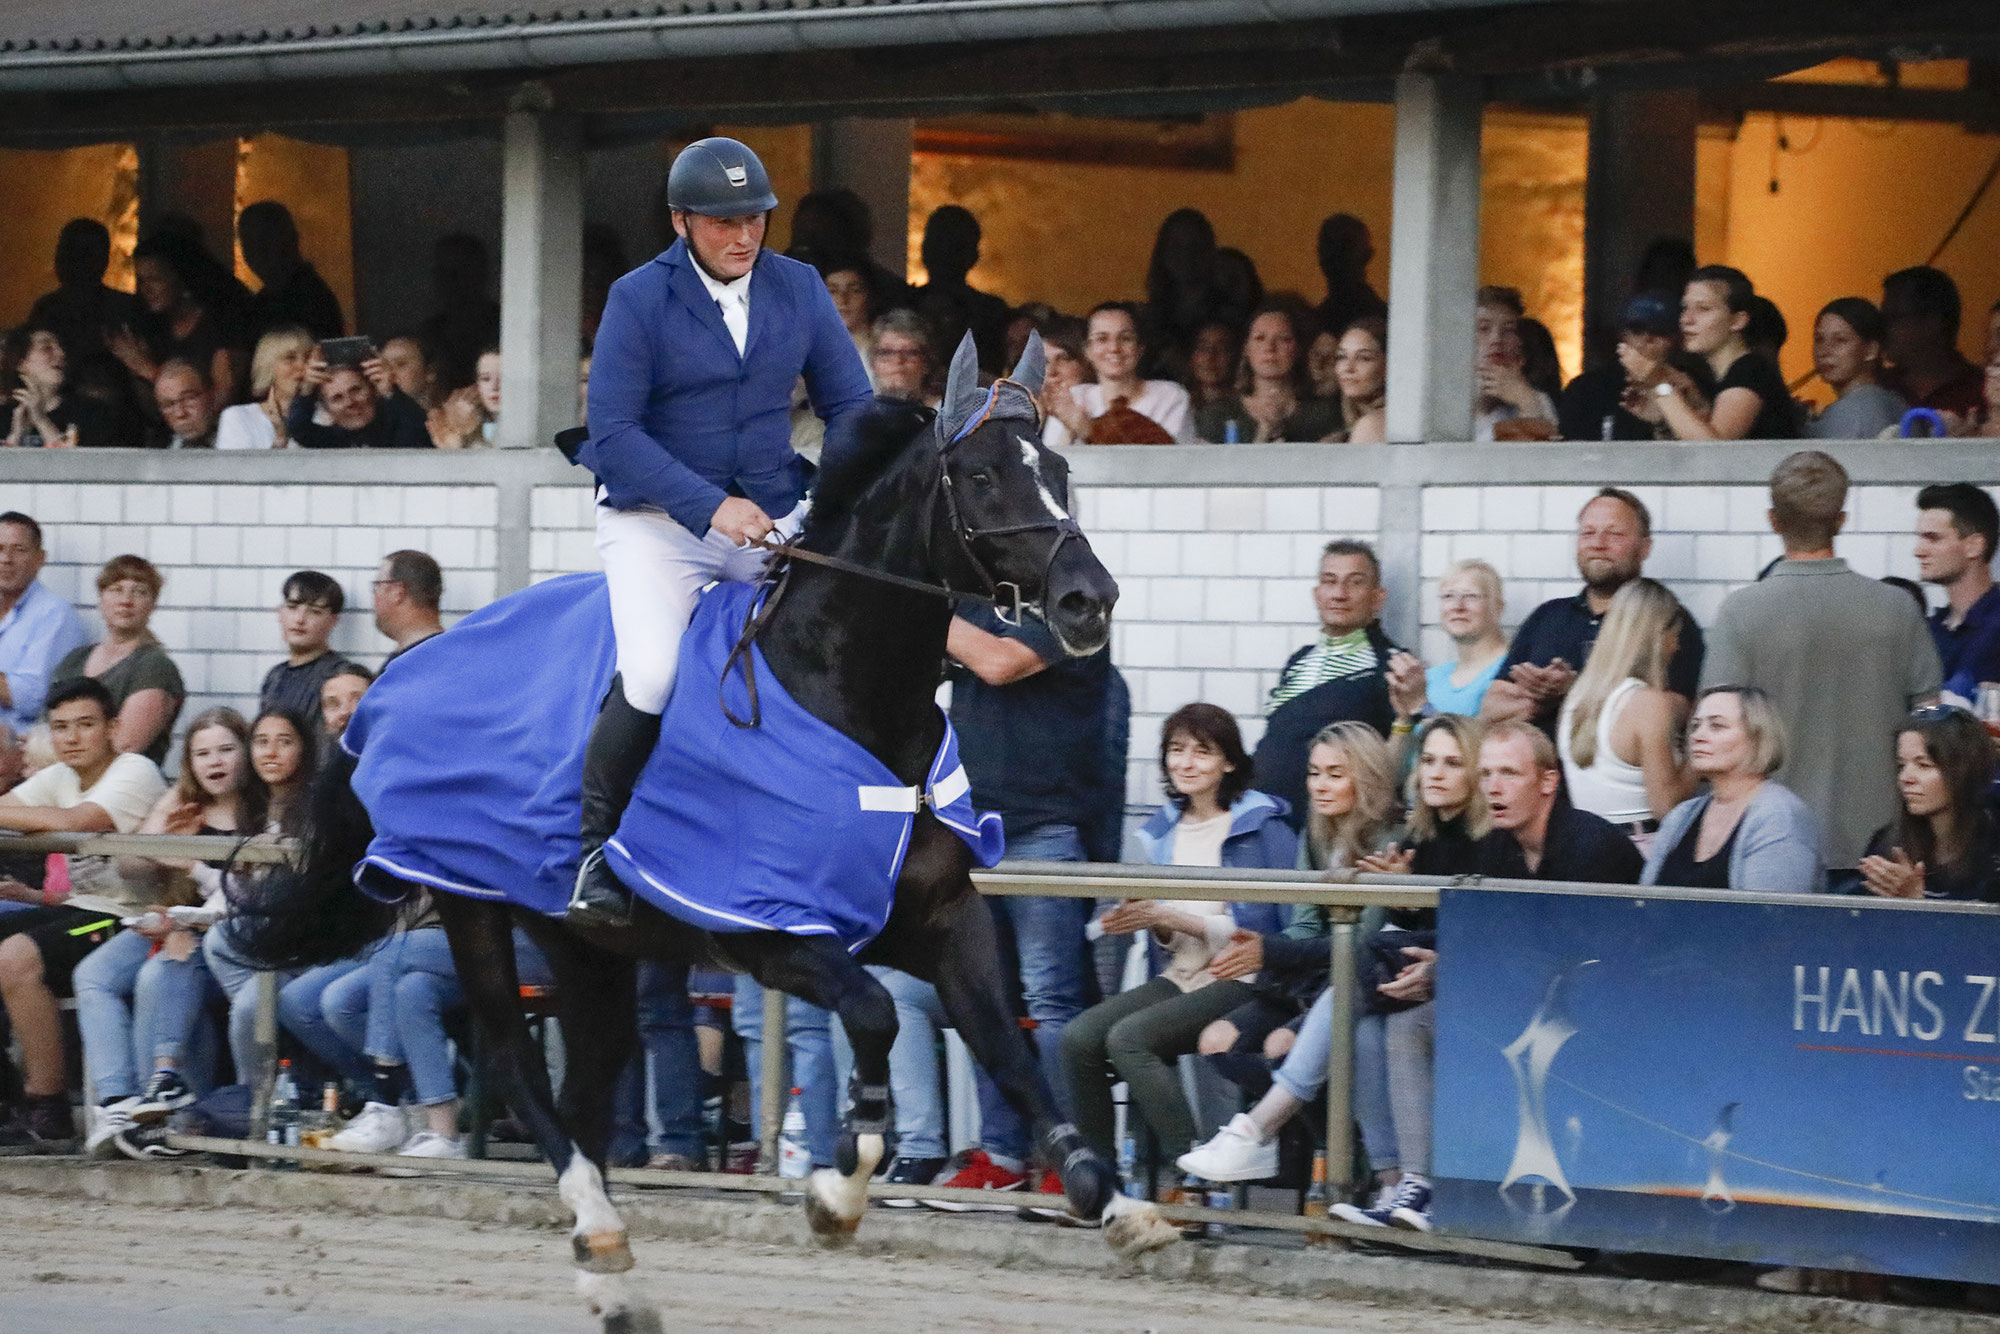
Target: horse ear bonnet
(1033,366)
(966,406)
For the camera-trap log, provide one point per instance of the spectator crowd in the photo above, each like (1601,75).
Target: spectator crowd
(1607,739)
(195,360)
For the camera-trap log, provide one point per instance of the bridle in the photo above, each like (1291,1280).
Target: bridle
(1003,596)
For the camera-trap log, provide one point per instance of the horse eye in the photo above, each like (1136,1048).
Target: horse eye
(982,477)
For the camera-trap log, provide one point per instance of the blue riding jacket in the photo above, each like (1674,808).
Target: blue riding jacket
(680,421)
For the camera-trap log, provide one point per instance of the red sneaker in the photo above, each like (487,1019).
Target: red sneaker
(979,1173)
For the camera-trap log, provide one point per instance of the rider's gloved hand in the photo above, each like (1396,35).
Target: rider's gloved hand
(741,521)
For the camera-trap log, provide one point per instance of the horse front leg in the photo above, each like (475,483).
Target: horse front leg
(965,965)
(817,970)
(482,947)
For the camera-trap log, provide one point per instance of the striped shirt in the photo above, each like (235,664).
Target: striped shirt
(1329,659)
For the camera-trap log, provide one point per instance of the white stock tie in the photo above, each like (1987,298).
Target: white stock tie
(735,304)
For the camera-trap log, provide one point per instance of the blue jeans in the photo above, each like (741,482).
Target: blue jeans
(1046,937)
(1303,1075)
(238,980)
(135,1009)
(422,988)
(915,1080)
(665,1075)
(302,1009)
(812,1066)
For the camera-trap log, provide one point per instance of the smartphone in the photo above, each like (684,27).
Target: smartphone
(347,351)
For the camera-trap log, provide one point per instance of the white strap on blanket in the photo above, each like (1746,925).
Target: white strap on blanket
(900,800)
(950,788)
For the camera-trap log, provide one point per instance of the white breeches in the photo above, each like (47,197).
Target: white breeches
(655,569)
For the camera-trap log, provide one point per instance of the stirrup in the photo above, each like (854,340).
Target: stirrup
(593,902)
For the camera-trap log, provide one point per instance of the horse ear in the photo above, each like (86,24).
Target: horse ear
(1033,365)
(962,394)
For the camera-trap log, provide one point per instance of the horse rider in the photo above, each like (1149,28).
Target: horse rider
(691,385)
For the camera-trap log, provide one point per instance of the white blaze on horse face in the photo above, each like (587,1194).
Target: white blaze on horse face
(1031,454)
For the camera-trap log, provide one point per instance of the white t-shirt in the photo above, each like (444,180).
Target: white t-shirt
(1162,400)
(245,427)
(1197,843)
(126,792)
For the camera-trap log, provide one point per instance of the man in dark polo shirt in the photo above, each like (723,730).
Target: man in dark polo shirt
(1537,834)
(1958,528)
(1614,535)
(1031,723)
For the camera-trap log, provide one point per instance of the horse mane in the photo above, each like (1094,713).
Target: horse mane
(860,448)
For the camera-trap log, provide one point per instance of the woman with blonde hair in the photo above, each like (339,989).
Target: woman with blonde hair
(1350,816)
(1748,831)
(1345,755)
(276,369)
(1619,730)
(1470,604)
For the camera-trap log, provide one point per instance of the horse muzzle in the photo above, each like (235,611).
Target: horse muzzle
(1078,600)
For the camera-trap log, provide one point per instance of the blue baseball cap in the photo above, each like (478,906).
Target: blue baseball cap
(1649,312)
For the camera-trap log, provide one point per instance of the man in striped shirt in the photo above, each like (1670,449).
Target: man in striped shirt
(1341,676)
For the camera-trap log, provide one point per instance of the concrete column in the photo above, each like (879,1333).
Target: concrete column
(194,179)
(1433,257)
(541,276)
(871,158)
(1640,187)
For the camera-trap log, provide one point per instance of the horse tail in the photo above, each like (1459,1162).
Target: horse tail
(307,911)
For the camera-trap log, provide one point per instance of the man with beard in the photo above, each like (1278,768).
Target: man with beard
(1614,535)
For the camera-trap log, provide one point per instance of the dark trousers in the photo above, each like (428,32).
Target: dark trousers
(1137,1037)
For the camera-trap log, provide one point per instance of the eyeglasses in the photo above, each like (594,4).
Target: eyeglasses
(194,398)
(898,354)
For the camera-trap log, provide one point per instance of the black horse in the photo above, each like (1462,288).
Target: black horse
(966,501)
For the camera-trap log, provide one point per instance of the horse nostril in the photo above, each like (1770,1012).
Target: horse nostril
(1080,606)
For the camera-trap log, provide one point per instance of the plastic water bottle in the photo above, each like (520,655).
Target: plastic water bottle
(1316,1200)
(794,1159)
(1229,434)
(284,1122)
(1128,1169)
(1220,1196)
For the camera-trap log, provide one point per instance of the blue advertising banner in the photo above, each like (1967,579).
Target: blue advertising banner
(1788,1082)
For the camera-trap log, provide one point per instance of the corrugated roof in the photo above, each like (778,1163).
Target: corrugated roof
(164,25)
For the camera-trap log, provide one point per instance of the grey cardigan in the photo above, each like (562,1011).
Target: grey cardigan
(1777,843)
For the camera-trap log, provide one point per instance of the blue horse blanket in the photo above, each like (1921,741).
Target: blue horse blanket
(469,755)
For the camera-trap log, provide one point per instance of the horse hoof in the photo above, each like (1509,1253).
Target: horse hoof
(1134,1227)
(832,1211)
(601,1252)
(634,1320)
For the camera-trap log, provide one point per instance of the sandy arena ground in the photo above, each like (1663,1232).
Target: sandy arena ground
(84,1268)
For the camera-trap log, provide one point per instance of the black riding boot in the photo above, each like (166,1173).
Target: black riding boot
(621,741)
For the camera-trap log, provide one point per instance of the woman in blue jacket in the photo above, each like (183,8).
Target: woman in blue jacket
(1211,819)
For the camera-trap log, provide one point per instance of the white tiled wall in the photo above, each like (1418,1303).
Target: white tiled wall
(1707,540)
(225,551)
(1215,580)
(1215,592)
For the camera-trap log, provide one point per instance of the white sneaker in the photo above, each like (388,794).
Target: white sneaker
(106,1124)
(430,1144)
(379,1129)
(1235,1154)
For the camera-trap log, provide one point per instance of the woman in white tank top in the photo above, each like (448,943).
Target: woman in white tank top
(1619,731)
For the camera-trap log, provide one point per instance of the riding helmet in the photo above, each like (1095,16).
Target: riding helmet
(720,178)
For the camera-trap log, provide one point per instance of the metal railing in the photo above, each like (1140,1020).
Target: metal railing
(1345,898)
